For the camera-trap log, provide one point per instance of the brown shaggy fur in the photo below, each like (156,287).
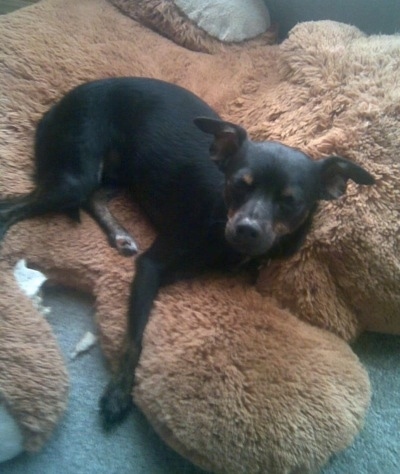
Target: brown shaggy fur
(227,377)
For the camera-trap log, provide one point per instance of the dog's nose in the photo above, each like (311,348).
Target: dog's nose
(248,230)
(248,236)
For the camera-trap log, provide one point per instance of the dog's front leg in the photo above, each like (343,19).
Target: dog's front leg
(151,269)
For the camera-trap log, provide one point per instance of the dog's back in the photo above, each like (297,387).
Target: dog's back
(137,133)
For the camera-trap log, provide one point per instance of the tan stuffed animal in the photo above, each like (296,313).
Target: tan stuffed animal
(237,379)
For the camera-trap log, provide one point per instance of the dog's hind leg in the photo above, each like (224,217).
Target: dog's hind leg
(15,209)
(117,235)
(9,209)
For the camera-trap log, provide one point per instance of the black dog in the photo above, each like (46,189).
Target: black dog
(147,136)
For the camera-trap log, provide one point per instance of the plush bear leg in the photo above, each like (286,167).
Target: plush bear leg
(33,380)
(239,386)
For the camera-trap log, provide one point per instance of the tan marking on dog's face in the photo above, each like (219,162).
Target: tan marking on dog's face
(231,213)
(248,179)
(280,228)
(287,192)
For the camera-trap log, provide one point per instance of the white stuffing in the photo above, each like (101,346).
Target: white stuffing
(88,340)
(30,281)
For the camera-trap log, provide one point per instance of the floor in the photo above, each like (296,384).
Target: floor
(7,6)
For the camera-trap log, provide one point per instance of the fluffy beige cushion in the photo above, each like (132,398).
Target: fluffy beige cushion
(228,377)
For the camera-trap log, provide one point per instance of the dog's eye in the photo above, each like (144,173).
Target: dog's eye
(286,201)
(236,192)
(241,186)
(244,184)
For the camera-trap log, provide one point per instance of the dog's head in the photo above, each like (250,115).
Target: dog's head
(272,189)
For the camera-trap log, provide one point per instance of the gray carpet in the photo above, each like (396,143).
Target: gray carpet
(79,446)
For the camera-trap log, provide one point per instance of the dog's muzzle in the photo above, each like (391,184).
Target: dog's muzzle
(249,237)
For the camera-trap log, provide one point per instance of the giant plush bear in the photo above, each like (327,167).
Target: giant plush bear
(236,378)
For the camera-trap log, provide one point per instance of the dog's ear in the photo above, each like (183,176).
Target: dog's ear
(334,174)
(228,138)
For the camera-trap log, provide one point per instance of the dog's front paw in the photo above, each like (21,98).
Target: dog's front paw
(115,403)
